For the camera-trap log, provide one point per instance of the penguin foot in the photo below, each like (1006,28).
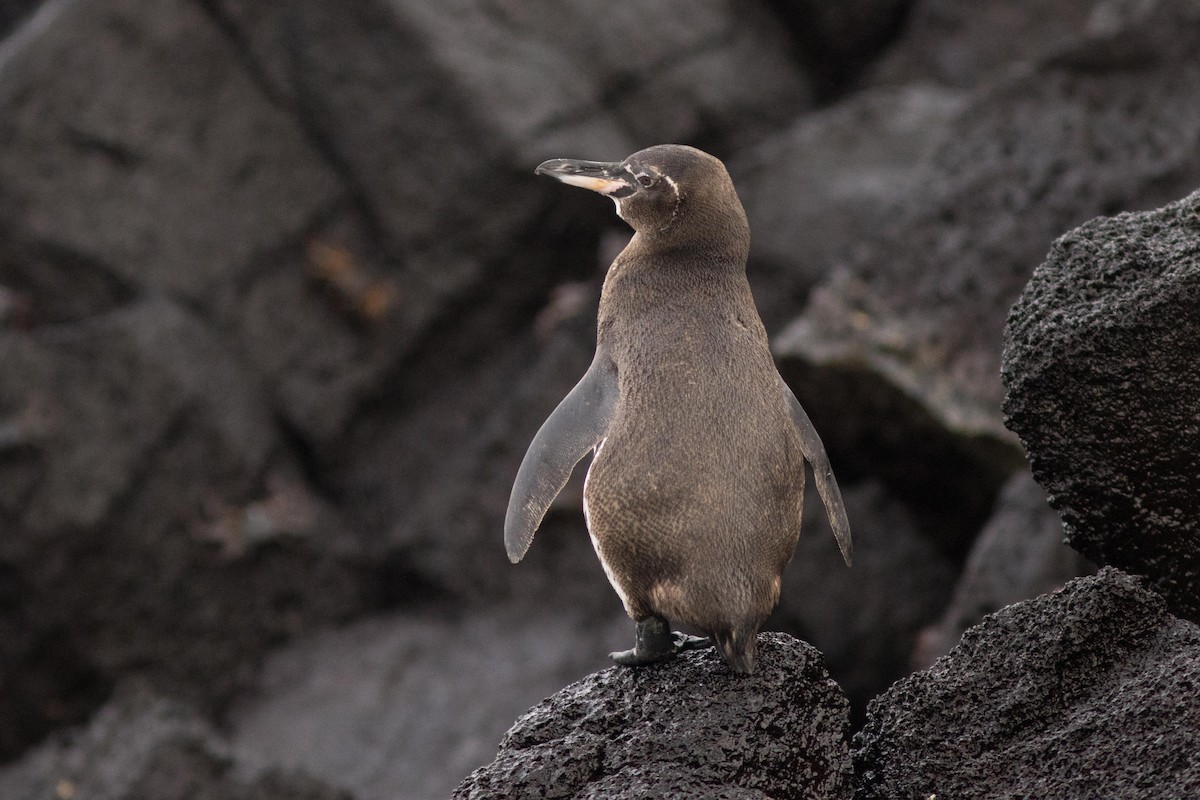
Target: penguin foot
(685,642)
(656,642)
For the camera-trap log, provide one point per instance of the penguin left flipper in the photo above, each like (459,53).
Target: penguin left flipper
(814,452)
(575,427)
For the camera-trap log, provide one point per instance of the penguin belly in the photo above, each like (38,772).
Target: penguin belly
(700,542)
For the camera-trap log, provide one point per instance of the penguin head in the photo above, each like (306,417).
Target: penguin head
(666,192)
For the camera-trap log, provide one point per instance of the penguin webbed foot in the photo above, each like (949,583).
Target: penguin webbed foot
(685,642)
(656,642)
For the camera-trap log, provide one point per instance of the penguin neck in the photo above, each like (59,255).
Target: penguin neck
(652,276)
(706,250)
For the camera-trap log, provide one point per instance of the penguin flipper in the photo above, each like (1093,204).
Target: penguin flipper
(575,427)
(814,452)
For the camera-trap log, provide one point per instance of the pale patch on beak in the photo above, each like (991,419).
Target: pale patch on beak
(601,185)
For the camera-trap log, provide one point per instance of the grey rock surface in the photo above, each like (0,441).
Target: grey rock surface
(686,728)
(1100,365)
(142,746)
(1019,554)
(1085,693)
(965,45)
(816,189)
(135,139)
(154,523)
(406,705)
(96,454)
(865,619)
(837,41)
(12,12)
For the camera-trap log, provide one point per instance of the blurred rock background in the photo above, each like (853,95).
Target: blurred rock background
(282,303)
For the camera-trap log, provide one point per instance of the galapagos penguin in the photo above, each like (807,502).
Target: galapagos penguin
(694,495)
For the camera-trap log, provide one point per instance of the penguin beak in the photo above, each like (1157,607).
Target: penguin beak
(607,178)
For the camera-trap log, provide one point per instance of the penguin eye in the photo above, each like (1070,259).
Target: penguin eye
(644,179)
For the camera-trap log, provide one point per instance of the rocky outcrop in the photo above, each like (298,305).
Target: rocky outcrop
(896,356)
(687,728)
(1100,365)
(1083,693)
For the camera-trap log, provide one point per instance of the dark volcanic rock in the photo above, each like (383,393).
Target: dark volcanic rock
(864,619)
(1086,693)
(817,188)
(134,138)
(12,12)
(1019,554)
(963,44)
(688,728)
(1103,389)
(896,357)
(144,747)
(837,40)
(153,521)
(166,369)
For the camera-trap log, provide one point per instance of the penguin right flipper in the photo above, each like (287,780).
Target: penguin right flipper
(575,427)
(814,452)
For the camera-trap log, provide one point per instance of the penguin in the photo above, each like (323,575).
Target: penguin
(695,489)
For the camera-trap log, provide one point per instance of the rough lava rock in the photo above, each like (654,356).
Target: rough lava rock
(686,728)
(1089,692)
(1103,388)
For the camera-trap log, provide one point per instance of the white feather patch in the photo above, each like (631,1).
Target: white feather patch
(587,518)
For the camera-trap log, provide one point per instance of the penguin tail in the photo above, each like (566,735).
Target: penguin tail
(738,648)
